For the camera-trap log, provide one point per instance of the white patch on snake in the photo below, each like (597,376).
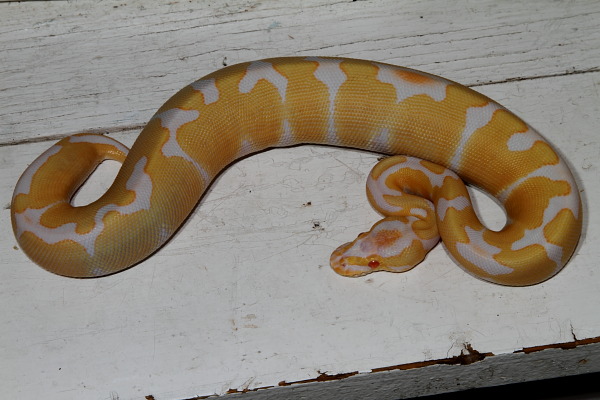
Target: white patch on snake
(29,221)
(380,142)
(523,141)
(433,87)
(208,89)
(24,184)
(536,235)
(98,139)
(330,73)
(477,117)
(287,138)
(379,189)
(481,253)
(140,183)
(418,212)
(172,120)
(458,203)
(258,70)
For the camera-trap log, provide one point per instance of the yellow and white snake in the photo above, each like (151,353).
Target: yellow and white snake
(253,106)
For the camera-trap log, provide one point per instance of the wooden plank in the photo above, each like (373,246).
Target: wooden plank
(109,66)
(243,298)
(405,382)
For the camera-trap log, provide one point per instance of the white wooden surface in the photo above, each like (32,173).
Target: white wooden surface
(243,298)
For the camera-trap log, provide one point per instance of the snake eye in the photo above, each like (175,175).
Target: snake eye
(373,264)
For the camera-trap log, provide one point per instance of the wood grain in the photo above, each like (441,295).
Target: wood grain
(108,66)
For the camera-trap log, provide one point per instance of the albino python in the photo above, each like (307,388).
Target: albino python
(253,106)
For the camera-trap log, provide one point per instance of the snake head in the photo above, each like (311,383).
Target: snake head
(392,245)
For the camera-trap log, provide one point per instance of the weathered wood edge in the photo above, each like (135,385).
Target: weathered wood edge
(470,370)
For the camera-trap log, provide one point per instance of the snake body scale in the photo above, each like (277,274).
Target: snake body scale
(441,132)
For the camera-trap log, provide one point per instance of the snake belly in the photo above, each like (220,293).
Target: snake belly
(249,107)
